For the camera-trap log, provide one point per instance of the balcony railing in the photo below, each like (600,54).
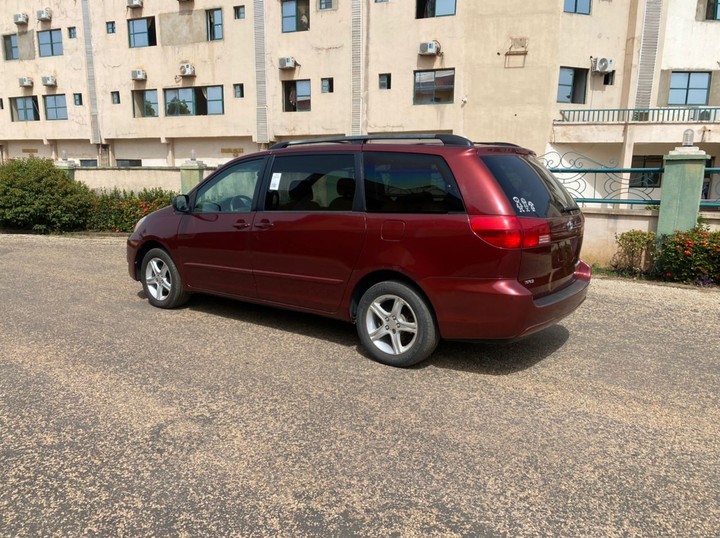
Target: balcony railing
(641,115)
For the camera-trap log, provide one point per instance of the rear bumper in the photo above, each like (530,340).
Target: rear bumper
(473,309)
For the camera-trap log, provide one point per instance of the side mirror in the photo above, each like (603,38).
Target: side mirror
(181,203)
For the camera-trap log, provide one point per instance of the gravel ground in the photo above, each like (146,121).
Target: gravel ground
(228,419)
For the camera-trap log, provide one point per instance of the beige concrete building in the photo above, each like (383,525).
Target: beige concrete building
(154,82)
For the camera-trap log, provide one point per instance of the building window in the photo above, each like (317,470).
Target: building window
(646,179)
(72,32)
(50,43)
(713,10)
(295,15)
(55,107)
(110,27)
(25,109)
(609,79)
(2,104)
(239,90)
(385,81)
(239,12)
(115,97)
(328,85)
(200,101)
(577,6)
(10,46)
(128,163)
(572,85)
(296,96)
(434,8)
(88,163)
(214,24)
(78,99)
(380,1)
(142,32)
(434,87)
(326,4)
(145,104)
(689,88)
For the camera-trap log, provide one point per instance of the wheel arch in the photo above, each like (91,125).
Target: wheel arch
(369,280)
(144,249)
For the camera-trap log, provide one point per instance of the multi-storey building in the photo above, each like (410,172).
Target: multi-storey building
(152,82)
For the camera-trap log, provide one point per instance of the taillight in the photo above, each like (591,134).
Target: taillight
(511,232)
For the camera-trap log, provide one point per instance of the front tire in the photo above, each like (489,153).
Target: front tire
(395,324)
(161,280)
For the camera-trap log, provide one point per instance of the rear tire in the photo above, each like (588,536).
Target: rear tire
(396,325)
(161,280)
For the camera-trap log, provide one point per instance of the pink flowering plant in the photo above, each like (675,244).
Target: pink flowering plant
(691,257)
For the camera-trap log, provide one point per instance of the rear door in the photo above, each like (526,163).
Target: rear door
(541,202)
(307,239)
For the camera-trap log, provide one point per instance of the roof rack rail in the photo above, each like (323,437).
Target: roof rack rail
(496,144)
(446,139)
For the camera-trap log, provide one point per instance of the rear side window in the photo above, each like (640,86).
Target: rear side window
(311,183)
(533,191)
(409,183)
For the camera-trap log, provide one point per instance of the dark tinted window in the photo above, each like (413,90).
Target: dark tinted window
(311,183)
(409,183)
(533,190)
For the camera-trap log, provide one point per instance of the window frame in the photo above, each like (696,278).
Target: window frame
(149,33)
(189,98)
(290,103)
(387,77)
(327,5)
(110,27)
(239,12)
(55,43)
(10,44)
(141,102)
(423,7)
(298,24)
(327,85)
(30,103)
(259,164)
(712,10)
(687,88)
(434,87)
(215,30)
(53,107)
(239,90)
(648,180)
(578,85)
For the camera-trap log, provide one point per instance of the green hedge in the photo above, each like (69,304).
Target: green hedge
(36,195)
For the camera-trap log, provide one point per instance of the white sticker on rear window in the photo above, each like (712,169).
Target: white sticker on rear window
(523,205)
(275,181)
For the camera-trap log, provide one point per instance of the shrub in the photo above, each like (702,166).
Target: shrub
(692,257)
(636,251)
(35,195)
(118,211)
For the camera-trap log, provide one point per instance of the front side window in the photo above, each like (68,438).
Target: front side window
(713,10)
(214,24)
(688,88)
(295,15)
(25,109)
(577,6)
(145,103)
(409,183)
(434,87)
(141,32)
(201,101)
(296,95)
(312,183)
(572,85)
(55,107)
(434,8)
(231,190)
(10,47)
(50,43)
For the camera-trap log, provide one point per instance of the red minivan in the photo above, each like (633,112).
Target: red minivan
(413,240)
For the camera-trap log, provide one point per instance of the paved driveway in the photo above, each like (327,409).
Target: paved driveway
(222,418)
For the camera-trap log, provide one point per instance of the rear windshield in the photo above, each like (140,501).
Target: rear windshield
(533,191)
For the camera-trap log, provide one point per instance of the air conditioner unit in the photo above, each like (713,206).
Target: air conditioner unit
(603,65)
(187,70)
(429,48)
(49,81)
(138,74)
(287,62)
(21,18)
(44,14)
(134,3)
(26,82)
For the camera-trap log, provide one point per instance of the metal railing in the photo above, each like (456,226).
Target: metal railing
(641,115)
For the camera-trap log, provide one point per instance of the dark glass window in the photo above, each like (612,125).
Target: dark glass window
(295,15)
(434,87)
(296,96)
(409,183)
(10,46)
(25,109)
(434,8)
(572,85)
(145,103)
(214,24)
(646,179)
(142,32)
(55,107)
(385,81)
(239,12)
(200,101)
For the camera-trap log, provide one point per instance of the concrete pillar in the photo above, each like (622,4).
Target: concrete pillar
(681,189)
(192,172)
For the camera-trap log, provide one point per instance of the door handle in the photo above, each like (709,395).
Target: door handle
(264,224)
(241,224)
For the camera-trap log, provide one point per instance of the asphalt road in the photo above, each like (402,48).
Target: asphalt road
(228,419)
